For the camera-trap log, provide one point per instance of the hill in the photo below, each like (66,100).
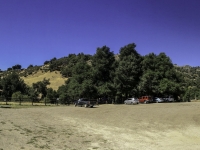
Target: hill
(55,77)
(59,70)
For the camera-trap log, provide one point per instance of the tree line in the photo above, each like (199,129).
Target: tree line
(106,75)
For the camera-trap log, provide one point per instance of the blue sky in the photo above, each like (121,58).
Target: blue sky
(33,31)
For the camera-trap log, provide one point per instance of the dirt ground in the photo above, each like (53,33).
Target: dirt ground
(163,126)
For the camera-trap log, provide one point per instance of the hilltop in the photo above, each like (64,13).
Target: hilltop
(33,74)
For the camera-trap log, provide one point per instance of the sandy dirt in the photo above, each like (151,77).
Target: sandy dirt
(163,126)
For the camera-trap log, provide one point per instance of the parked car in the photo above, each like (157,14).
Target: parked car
(131,101)
(85,102)
(158,100)
(168,99)
(145,99)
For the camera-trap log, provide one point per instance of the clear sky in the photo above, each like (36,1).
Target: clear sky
(33,31)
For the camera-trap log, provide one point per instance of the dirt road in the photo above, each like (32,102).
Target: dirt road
(129,127)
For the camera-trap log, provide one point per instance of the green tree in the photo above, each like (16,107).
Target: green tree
(65,96)
(46,62)
(33,94)
(103,71)
(128,71)
(81,83)
(187,95)
(16,67)
(12,83)
(51,95)
(30,66)
(159,76)
(70,62)
(9,69)
(41,87)
(17,96)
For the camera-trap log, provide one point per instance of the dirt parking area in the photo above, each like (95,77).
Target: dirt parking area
(163,126)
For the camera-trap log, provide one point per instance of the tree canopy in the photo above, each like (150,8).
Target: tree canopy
(11,84)
(106,74)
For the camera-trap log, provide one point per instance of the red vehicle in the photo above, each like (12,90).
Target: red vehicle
(145,99)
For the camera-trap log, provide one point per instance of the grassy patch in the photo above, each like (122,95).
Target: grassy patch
(27,131)
(42,137)
(82,136)
(105,141)
(69,133)
(86,141)
(2,122)
(15,105)
(55,77)
(44,147)
(51,129)
(17,129)
(32,140)
(5,106)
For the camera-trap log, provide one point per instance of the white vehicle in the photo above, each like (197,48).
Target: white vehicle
(158,100)
(131,101)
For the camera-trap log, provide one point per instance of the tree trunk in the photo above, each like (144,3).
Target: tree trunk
(45,101)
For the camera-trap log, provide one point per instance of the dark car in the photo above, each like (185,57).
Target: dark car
(168,99)
(85,102)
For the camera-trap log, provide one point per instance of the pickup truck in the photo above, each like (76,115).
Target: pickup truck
(145,99)
(85,102)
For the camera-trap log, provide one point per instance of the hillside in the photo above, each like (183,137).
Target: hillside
(191,74)
(55,77)
(59,70)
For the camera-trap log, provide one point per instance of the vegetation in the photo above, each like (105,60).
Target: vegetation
(12,83)
(128,72)
(104,74)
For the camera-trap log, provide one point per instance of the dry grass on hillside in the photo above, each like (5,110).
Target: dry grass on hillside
(55,77)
